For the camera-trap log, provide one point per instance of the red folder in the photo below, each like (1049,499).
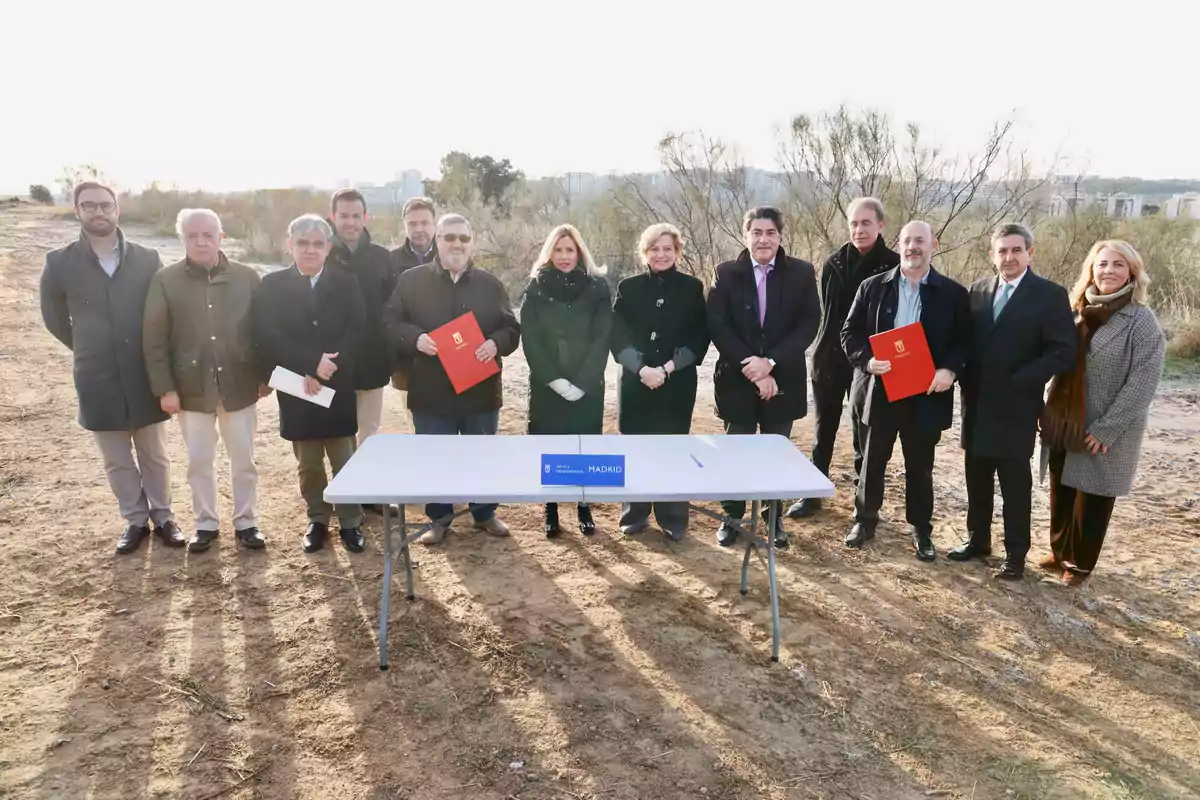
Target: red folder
(912,365)
(457,342)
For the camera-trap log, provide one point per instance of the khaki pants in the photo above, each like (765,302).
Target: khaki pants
(370,413)
(142,488)
(237,431)
(310,457)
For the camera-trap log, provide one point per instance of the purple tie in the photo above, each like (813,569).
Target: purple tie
(762,294)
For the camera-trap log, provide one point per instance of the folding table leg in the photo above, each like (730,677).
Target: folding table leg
(407,552)
(385,599)
(771,522)
(746,568)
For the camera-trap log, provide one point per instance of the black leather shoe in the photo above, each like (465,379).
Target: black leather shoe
(781,536)
(131,539)
(587,525)
(1010,571)
(727,535)
(550,521)
(968,550)
(251,539)
(353,539)
(805,507)
(923,542)
(859,535)
(169,534)
(201,541)
(314,537)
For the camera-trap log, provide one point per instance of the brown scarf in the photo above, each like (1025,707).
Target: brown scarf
(1064,420)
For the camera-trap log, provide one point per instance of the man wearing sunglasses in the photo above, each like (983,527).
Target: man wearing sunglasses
(93,294)
(426,298)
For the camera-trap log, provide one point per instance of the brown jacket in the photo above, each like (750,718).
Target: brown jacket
(198,335)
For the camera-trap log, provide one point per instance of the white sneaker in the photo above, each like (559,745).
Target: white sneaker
(434,534)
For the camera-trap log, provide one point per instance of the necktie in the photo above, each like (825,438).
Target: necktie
(762,296)
(1002,302)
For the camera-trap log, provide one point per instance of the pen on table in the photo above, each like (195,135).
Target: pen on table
(698,464)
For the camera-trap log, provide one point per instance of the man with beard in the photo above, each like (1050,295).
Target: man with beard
(860,258)
(419,248)
(913,292)
(763,313)
(371,265)
(93,294)
(428,297)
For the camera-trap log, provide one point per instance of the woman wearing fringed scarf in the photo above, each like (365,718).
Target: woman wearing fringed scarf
(1095,417)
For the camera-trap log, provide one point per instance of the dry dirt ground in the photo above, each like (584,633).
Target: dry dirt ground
(570,669)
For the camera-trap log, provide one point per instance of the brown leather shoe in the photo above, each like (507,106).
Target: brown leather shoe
(169,534)
(1050,563)
(1073,579)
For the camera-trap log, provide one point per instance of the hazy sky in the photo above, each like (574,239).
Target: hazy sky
(238,94)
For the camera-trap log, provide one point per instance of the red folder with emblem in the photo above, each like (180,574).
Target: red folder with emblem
(457,342)
(912,365)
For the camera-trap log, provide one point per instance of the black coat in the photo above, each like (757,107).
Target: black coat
(405,258)
(295,324)
(371,264)
(793,314)
(658,317)
(945,318)
(841,276)
(426,298)
(99,319)
(1010,362)
(565,325)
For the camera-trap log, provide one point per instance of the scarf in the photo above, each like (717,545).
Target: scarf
(564,287)
(1064,420)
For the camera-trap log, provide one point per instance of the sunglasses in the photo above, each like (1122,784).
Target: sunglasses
(456,237)
(92,208)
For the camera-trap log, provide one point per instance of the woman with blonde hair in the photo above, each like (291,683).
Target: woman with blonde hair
(565,322)
(659,336)
(1095,417)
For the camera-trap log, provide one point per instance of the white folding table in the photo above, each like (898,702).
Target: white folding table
(405,468)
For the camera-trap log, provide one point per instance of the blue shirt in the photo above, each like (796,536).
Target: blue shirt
(908,310)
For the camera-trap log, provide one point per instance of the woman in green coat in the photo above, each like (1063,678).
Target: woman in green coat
(565,323)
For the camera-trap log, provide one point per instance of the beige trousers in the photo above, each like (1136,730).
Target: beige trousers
(310,458)
(237,430)
(142,487)
(370,412)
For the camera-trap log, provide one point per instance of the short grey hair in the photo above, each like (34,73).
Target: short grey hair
(306,223)
(872,203)
(188,214)
(454,219)
(1013,229)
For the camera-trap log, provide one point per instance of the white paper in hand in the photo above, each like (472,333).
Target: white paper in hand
(288,382)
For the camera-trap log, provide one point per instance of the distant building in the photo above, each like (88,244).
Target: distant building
(389,198)
(1122,205)
(1185,206)
(1064,205)
(1119,205)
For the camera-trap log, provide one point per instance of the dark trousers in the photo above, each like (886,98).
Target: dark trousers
(737,508)
(1078,522)
(484,424)
(879,439)
(670,516)
(1016,487)
(829,393)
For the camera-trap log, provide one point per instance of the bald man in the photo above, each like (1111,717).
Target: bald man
(911,292)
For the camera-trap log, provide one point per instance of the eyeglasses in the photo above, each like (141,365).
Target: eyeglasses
(456,237)
(92,208)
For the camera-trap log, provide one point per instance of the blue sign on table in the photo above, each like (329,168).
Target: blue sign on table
(569,469)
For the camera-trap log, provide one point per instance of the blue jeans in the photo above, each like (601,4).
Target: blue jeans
(484,424)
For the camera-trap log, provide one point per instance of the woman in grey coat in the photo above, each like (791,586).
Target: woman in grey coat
(1095,417)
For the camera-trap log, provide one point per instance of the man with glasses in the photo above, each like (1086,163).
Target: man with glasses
(763,314)
(93,294)
(310,321)
(426,298)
